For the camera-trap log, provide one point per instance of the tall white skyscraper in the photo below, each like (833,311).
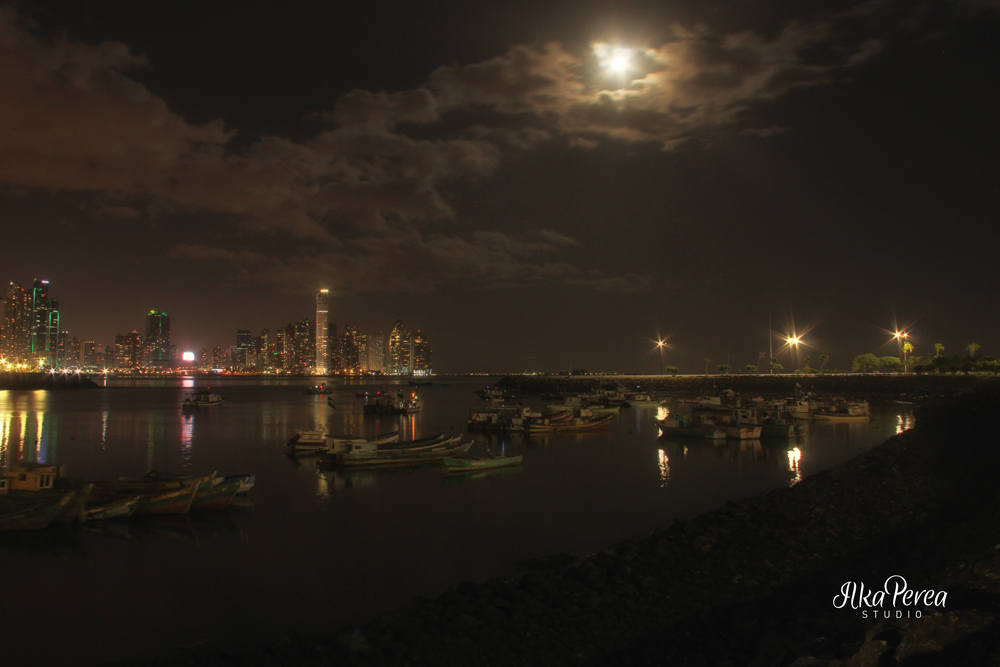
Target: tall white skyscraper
(322,346)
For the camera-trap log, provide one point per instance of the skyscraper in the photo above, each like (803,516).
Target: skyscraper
(45,324)
(128,351)
(244,349)
(16,328)
(322,344)
(421,356)
(399,350)
(158,340)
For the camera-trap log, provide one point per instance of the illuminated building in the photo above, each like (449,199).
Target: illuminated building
(376,353)
(88,354)
(45,325)
(420,355)
(157,340)
(128,351)
(301,343)
(322,343)
(399,350)
(219,358)
(362,344)
(16,327)
(244,349)
(350,359)
(70,350)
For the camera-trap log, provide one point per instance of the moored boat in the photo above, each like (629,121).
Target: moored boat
(466,466)
(16,514)
(117,508)
(204,398)
(684,427)
(217,497)
(318,389)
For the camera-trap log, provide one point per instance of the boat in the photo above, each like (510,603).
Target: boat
(204,482)
(116,508)
(174,501)
(843,411)
(318,389)
(641,400)
(684,427)
(467,466)
(246,482)
(16,514)
(783,424)
(425,450)
(203,398)
(217,497)
(575,425)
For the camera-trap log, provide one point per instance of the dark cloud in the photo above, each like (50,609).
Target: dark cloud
(72,119)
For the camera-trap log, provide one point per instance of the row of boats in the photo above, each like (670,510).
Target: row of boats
(385,450)
(34,495)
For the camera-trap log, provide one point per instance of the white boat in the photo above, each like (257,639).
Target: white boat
(202,399)
(842,411)
(641,400)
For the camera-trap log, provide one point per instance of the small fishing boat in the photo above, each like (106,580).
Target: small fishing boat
(176,501)
(467,466)
(18,515)
(217,497)
(118,508)
(843,411)
(318,389)
(246,482)
(203,398)
(685,428)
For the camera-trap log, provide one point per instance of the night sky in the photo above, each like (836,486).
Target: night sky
(482,172)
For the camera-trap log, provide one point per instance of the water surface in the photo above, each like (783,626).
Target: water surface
(313,550)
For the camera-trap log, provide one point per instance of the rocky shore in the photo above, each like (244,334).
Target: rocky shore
(753,583)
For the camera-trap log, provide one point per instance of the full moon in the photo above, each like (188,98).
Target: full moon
(618,63)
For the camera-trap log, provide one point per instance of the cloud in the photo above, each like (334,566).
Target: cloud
(364,194)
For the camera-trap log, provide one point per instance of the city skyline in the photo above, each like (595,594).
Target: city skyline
(561,190)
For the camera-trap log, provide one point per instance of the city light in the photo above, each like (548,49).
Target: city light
(188,356)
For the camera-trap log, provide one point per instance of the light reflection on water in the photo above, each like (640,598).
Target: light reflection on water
(664,468)
(794,465)
(572,493)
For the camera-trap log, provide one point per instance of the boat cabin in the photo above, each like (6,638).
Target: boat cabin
(33,476)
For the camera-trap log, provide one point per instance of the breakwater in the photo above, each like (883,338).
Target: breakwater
(40,380)
(880,386)
(756,582)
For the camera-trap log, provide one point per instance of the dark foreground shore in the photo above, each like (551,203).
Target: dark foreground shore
(753,583)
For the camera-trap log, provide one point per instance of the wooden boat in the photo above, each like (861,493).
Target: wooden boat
(467,466)
(404,458)
(16,514)
(175,501)
(204,482)
(118,508)
(379,439)
(842,411)
(246,482)
(159,482)
(582,424)
(217,497)
(686,429)
(204,398)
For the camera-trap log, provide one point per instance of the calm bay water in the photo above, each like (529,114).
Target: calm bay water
(313,550)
